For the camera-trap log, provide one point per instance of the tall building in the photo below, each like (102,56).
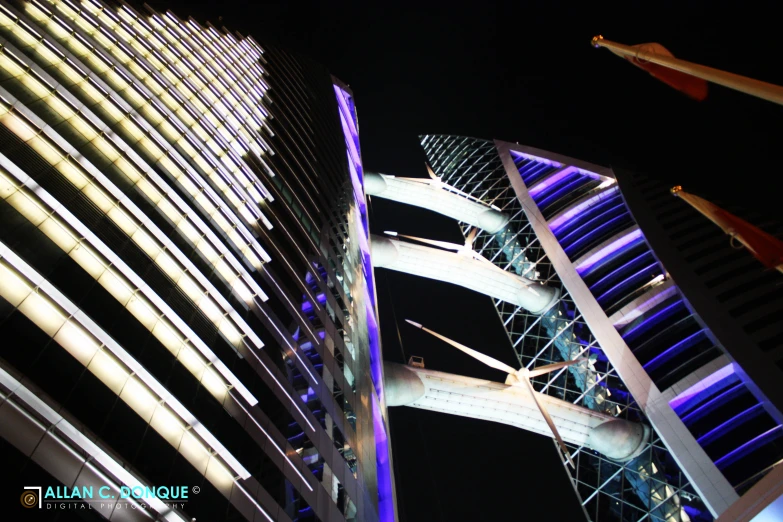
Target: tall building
(186,294)
(665,326)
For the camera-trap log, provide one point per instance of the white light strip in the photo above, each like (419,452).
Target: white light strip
(58,423)
(91,238)
(120,265)
(201,99)
(155,251)
(126,57)
(114,283)
(114,22)
(178,34)
(123,109)
(201,155)
(75,314)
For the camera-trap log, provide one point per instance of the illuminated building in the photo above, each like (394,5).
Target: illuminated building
(674,330)
(187,295)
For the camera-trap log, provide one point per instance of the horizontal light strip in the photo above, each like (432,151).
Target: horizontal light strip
(750,446)
(585,265)
(104,100)
(566,216)
(75,239)
(178,35)
(200,99)
(733,422)
(119,287)
(45,315)
(125,56)
(96,454)
(137,281)
(550,180)
(134,230)
(718,379)
(536,159)
(175,164)
(84,232)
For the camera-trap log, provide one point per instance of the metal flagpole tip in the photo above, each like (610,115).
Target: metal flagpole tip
(595,40)
(417,325)
(675,190)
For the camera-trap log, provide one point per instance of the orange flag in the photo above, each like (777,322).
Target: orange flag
(765,247)
(691,86)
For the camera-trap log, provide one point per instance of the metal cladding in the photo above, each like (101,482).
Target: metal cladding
(616,438)
(176,301)
(659,324)
(464,271)
(437,197)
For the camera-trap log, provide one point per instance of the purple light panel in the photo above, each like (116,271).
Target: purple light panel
(383,464)
(554,178)
(536,159)
(609,249)
(567,216)
(705,387)
(537,188)
(632,315)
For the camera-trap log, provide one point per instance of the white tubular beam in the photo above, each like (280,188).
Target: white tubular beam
(480,276)
(618,439)
(437,197)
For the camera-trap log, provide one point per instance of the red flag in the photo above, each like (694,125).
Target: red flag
(765,247)
(691,86)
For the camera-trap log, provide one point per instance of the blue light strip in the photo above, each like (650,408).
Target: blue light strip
(649,269)
(596,259)
(535,170)
(537,159)
(589,237)
(548,182)
(586,220)
(749,447)
(674,350)
(648,322)
(705,388)
(585,206)
(734,422)
(713,403)
(620,269)
(571,183)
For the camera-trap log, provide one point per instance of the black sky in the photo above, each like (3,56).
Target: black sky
(523,72)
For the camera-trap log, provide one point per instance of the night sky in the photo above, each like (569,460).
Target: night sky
(522,72)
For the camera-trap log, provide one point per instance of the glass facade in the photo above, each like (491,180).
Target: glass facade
(186,292)
(652,358)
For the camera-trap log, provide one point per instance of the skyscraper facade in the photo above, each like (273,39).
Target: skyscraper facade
(679,330)
(186,291)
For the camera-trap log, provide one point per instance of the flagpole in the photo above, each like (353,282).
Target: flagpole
(766,91)
(702,207)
